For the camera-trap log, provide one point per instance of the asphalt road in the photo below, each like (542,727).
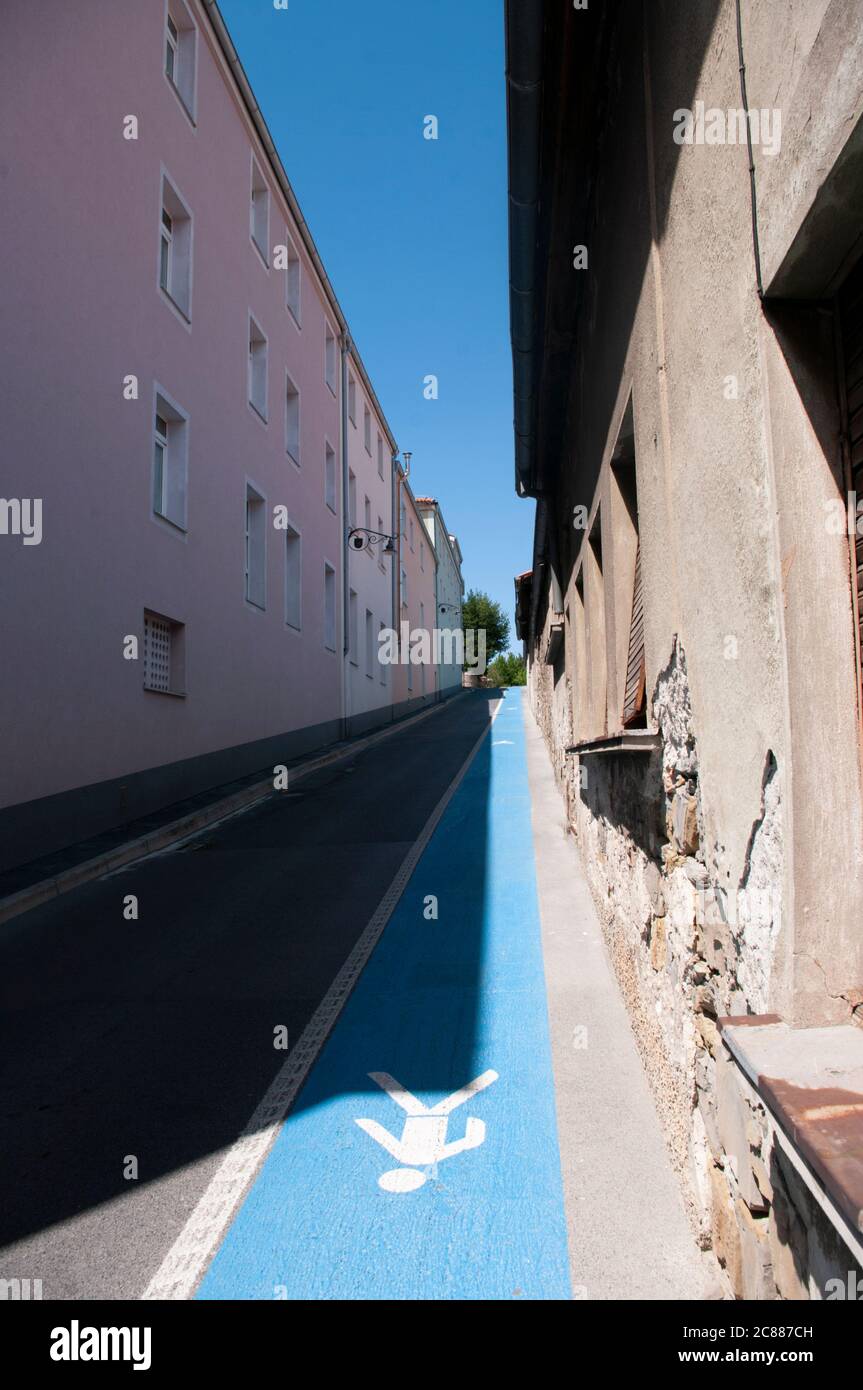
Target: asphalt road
(152,1040)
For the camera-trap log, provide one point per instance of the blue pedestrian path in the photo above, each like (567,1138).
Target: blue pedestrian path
(386,1181)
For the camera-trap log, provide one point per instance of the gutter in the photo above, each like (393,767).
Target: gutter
(524,35)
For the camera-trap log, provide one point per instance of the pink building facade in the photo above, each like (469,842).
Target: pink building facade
(370,570)
(415,683)
(182,397)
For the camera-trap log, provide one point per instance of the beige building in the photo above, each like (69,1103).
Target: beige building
(688,361)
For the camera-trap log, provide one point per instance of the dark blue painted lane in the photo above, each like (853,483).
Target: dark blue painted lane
(471,1206)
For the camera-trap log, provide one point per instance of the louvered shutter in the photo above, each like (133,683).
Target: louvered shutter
(851,325)
(633,699)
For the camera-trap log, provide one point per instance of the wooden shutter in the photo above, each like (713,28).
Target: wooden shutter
(633,699)
(851,335)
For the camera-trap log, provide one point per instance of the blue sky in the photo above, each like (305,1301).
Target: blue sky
(413,232)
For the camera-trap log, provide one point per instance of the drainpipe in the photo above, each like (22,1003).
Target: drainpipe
(436,624)
(346,526)
(395,482)
(524,30)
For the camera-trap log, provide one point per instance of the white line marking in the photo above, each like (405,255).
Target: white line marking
(183,1267)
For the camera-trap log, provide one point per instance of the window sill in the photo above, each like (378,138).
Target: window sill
(186,109)
(295,462)
(174,694)
(295,317)
(630,741)
(811,1082)
(167,521)
(177,308)
(263,255)
(255,411)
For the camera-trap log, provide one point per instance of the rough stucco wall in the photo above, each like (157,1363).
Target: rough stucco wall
(693,854)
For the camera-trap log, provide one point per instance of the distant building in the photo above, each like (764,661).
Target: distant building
(450,591)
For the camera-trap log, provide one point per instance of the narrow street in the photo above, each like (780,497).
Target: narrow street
(421,1153)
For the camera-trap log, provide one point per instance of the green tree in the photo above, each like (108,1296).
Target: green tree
(507,670)
(481,612)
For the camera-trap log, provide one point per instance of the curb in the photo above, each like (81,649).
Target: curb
(187,826)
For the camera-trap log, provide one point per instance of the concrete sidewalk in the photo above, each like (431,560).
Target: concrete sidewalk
(628,1232)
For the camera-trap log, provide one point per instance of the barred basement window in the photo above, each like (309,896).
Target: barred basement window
(163,654)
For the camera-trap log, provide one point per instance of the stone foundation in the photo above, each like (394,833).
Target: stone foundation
(690,942)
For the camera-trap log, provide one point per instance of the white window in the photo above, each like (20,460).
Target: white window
(370,645)
(175,249)
(381,564)
(259,212)
(382,670)
(180,54)
(352,627)
(367,430)
(293,578)
(330,478)
(170,462)
(402,519)
(172,43)
(164,654)
(411,532)
(352,499)
(422,556)
(380,457)
(330,358)
(256,547)
(329,607)
(292,421)
(404,588)
(367,516)
(293,278)
(257,369)
(352,400)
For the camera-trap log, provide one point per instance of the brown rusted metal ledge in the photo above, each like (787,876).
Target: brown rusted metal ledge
(811,1082)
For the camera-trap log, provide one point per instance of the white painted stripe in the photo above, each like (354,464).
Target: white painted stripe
(183,1267)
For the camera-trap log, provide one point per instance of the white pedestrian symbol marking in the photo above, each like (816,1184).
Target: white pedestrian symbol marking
(423,1143)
